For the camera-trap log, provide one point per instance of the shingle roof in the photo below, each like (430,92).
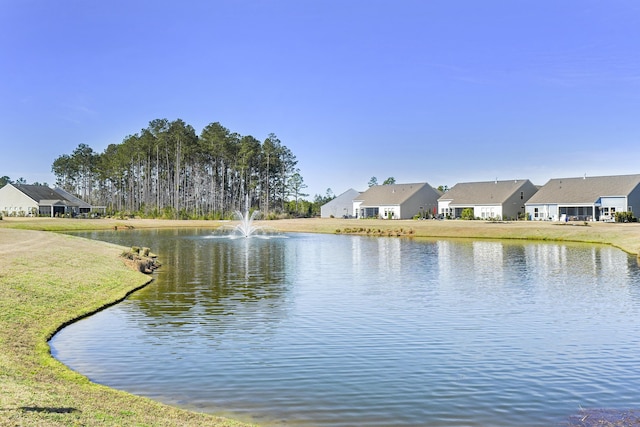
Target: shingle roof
(483,193)
(393,194)
(585,189)
(346,197)
(39,192)
(79,202)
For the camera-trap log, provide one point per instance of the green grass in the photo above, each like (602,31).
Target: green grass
(47,280)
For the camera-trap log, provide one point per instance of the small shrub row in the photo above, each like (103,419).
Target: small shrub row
(397,232)
(142,259)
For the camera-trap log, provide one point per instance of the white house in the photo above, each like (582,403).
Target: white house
(488,199)
(340,206)
(585,198)
(32,200)
(396,201)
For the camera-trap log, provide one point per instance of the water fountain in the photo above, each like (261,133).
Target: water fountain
(246,227)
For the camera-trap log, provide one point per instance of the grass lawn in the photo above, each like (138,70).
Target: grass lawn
(49,279)
(46,280)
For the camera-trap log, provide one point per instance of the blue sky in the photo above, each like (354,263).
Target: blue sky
(420,90)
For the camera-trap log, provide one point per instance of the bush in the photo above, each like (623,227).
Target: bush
(142,259)
(144,265)
(467,213)
(625,217)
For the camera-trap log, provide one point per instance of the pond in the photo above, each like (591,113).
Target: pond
(334,330)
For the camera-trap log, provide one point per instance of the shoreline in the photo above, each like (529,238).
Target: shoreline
(625,236)
(50,280)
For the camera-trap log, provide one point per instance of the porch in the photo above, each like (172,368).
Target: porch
(578,213)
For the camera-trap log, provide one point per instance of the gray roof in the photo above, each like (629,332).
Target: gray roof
(346,197)
(81,203)
(39,193)
(483,193)
(585,189)
(393,194)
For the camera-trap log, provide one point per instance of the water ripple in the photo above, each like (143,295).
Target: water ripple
(342,330)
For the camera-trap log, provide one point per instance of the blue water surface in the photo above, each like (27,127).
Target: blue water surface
(324,330)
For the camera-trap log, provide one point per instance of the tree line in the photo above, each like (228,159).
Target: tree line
(167,170)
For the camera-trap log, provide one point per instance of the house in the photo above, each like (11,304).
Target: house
(84,208)
(340,206)
(585,198)
(32,200)
(396,201)
(488,200)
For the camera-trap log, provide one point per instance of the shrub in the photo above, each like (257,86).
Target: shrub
(128,255)
(144,265)
(467,213)
(142,259)
(624,217)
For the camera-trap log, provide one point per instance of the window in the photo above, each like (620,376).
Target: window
(536,213)
(521,195)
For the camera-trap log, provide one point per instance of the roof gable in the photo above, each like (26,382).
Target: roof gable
(42,194)
(585,189)
(38,192)
(346,197)
(483,193)
(391,194)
